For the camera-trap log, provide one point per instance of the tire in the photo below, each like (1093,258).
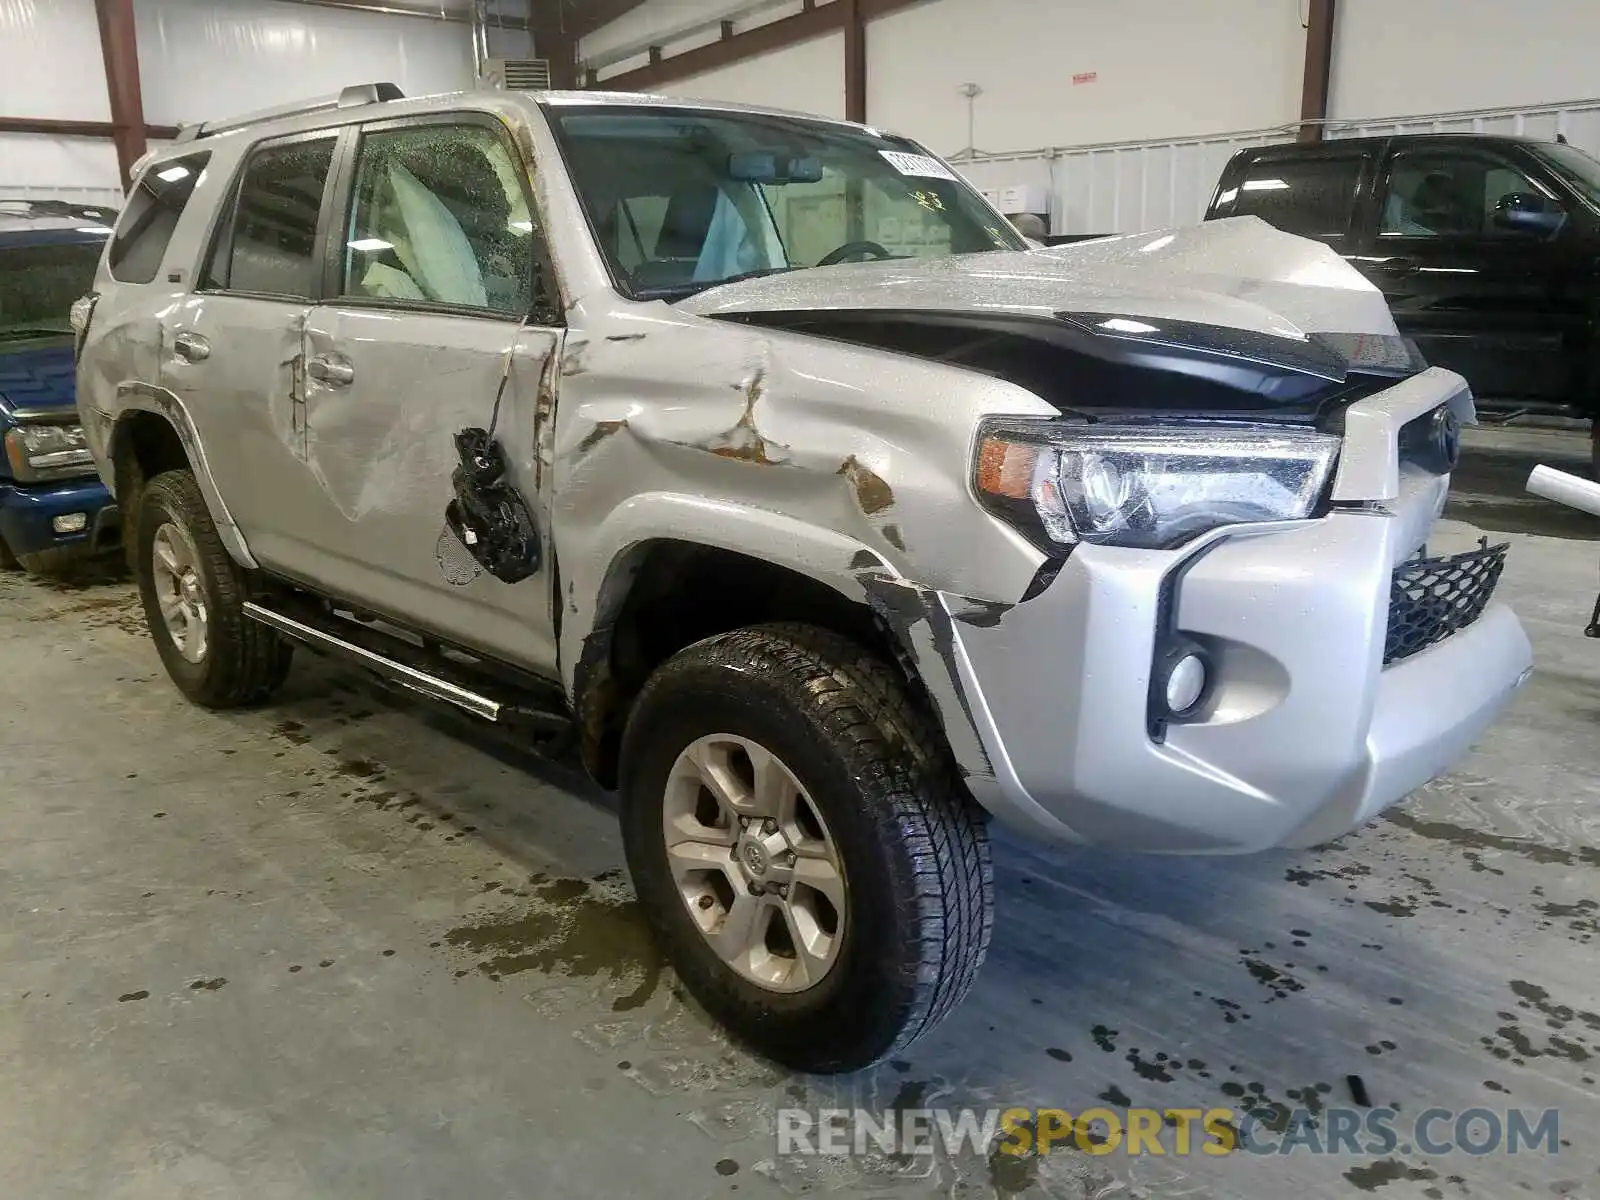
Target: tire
(237,661)
(8,560)
(911,847)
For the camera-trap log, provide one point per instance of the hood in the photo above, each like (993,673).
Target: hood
(1221,318)
(1240,274)
(38,383)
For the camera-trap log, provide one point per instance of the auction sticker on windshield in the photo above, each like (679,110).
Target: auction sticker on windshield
(917,164)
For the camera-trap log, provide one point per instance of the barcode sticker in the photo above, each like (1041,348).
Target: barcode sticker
(920,165)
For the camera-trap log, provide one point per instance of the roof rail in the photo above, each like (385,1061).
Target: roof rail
(354,96)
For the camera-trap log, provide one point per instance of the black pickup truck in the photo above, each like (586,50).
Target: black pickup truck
(1488,249)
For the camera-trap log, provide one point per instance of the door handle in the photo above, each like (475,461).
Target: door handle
(332,369)
(1397,266)
(191,347)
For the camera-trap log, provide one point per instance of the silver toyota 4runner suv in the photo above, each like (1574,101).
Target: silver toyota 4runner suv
(758,452)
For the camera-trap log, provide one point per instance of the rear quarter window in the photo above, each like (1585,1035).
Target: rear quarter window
(151,214)
(1312,197)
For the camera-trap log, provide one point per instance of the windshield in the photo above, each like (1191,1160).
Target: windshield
(1576,167)
(38,284)
(682,200)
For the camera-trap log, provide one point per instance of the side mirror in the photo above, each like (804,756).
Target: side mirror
(1529,212)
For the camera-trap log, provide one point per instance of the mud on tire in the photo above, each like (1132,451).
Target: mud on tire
(243,662)
(913,846)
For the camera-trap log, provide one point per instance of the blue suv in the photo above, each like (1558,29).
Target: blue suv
(53,507)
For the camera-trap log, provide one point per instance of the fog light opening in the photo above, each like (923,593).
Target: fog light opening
(1186,684)
(70,522)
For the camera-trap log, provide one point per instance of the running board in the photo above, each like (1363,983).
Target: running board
(361,647)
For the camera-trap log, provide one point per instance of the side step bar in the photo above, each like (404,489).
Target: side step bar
(361,647)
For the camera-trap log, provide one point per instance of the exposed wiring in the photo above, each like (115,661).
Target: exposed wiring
(505,372)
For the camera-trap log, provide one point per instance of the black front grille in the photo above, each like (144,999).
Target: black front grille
(1431,598)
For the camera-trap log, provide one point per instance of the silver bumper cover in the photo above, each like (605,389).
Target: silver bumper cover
(1307,735)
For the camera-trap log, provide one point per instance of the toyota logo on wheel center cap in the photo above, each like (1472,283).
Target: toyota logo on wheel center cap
(755,858)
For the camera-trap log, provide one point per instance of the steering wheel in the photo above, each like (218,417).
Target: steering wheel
(852,250)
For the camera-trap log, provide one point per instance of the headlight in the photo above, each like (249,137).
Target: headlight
(1148,488)
(42,452)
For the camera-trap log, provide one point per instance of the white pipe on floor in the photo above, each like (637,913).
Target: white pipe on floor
(1571,490)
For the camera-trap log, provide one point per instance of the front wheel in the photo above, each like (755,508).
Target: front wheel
(194,595)
(795,833)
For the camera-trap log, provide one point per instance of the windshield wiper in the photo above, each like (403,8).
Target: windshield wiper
(682,291)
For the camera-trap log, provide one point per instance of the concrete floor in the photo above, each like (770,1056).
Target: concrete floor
(345,946)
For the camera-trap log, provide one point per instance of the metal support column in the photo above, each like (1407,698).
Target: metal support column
(120,48)
(1319,69)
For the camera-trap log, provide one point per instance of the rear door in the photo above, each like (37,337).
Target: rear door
(233,350)
(437,290)
(1501,303)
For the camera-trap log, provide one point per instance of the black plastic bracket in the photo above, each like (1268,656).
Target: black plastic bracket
(488,515)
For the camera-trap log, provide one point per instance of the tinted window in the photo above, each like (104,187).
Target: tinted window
(1449,195)
(441,217)
(151,214)
(1573,165)
(38,284)
(270,245)
(1309,196)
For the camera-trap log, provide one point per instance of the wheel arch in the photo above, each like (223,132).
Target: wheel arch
(153,432)
(686,569)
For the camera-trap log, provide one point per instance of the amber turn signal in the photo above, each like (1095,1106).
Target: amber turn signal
(1006,468)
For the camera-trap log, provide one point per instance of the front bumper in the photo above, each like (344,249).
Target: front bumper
(1306,734)
(27,513)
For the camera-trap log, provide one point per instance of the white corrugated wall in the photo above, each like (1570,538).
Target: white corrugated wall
(198,59)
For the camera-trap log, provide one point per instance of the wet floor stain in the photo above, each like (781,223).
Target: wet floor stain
(1479,839)
(1510,1042)
(1369,1177)
(573,928)
(1011,1174)
(1277,980)
(292,731)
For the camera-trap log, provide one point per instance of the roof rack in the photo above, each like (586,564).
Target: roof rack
(354,96)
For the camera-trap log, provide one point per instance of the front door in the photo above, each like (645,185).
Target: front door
(438,265)
(1489,297)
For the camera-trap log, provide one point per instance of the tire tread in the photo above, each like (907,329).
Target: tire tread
(246,661)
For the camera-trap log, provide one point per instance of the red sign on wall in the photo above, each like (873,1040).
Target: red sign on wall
(1085,77)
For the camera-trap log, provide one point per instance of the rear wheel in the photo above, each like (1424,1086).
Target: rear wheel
(194,594)
(795,833)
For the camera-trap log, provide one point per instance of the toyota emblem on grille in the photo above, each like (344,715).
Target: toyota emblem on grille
(1447,437)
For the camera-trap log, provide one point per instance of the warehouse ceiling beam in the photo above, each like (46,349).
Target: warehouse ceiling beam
(1319,69)
(585,16)
(49,127)
(812,21)
(119,47)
